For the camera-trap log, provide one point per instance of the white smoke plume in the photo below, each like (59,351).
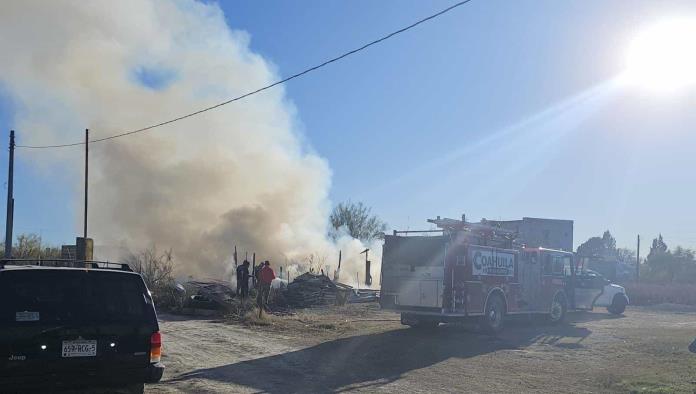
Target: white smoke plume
(239,175)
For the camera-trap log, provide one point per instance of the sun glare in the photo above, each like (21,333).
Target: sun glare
(663,57)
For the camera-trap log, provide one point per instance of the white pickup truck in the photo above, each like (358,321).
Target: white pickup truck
(612,296)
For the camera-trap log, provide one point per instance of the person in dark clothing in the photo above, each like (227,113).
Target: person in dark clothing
(243,279)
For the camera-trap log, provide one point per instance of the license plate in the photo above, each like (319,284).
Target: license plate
(80,348)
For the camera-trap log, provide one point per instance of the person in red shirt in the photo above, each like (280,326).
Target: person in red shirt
(266,276)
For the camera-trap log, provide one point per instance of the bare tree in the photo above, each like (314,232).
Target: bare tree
(156,268)
(626,255)
(358,220)
(29,246)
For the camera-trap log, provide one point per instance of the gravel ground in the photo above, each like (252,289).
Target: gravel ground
(360,348)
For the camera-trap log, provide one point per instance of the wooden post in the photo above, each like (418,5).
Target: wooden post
(337,273)
(368,275)
(638,260)
(253,265)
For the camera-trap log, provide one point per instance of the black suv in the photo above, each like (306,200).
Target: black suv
(81,327)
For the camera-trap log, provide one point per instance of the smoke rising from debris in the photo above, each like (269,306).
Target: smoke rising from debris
(239,175)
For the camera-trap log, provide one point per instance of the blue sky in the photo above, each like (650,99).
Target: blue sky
(498,109)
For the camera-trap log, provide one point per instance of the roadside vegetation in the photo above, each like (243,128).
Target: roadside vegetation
(667,276)
(157,268)
(31,246)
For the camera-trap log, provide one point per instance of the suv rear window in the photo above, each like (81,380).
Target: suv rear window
(70,296)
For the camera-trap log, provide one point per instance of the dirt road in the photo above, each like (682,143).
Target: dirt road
(366,350)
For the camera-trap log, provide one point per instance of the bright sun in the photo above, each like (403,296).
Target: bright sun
(663,57)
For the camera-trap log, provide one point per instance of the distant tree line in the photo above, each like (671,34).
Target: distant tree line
(669,266)
(661,265)
(30,246)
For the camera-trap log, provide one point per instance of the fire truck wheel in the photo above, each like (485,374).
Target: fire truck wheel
(618,305)
(495,314)
(407,320)
(559,307)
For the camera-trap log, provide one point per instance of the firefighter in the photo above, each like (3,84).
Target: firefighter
(266,276)
(243,279)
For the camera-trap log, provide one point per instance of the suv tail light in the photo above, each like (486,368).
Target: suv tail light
(155,347)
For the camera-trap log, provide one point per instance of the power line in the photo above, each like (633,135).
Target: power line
(299,74)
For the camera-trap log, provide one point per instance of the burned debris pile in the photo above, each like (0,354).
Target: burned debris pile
(359,296)
(211,294)
(311,289)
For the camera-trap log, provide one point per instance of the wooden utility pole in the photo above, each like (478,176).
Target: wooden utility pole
(638,260)
(86,178)
(10,199)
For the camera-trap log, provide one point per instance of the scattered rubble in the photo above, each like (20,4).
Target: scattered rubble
(358,296)
(311,289)
(210,294)
(307,290)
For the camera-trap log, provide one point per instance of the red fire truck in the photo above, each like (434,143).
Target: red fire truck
(470,270)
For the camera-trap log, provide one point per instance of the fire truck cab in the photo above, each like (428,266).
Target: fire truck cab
(471,270)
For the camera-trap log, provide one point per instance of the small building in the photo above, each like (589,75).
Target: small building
(538,232)
(68,252)
(82,250)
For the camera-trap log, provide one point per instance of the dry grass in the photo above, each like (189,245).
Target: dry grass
(653,294)
(645,386)
(247,313)
(321,321)
(318,322)
(252,318)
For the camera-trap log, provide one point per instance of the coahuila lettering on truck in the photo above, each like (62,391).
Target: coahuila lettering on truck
(490,262)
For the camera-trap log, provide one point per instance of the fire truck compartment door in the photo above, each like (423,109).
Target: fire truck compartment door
(413,270)
(420,293)
(431,293)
